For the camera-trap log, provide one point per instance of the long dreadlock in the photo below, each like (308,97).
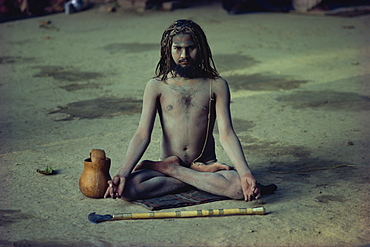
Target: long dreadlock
(207,65)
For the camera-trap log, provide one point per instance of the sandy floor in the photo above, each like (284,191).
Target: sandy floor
(300,87)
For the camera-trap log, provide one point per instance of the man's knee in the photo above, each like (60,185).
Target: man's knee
(132,187)
(130,191)
(135,188)
(234,189)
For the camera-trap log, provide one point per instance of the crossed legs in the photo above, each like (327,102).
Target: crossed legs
(157,178)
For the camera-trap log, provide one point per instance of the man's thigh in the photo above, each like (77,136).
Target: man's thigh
(230,175)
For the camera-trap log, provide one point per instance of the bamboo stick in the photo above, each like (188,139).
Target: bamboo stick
(187,214)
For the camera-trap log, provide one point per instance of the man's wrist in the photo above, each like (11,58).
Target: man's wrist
(124,173)
(244,172)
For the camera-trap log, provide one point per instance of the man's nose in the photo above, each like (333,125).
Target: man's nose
(184,53)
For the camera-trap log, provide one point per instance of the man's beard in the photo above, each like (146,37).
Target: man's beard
(190,71)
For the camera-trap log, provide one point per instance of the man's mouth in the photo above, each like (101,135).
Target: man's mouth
(184,62)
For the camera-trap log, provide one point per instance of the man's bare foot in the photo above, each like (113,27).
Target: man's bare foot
(160,166)
(215,167)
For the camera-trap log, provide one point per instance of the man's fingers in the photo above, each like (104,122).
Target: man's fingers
(109,189)
(252,194)
(121,186)
(107,192)
(250,187)
(248,195)
(246,198)
(257,192)
(115,180)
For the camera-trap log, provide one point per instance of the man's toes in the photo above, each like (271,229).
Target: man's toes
(138,167)
(224,167)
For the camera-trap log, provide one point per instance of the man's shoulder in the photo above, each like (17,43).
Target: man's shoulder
(153,86)
(154,83)
(155,80)
(219,82)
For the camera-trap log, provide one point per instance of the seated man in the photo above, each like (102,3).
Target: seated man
(188,94)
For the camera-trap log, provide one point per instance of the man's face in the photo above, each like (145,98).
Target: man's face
(185,55)
(184,51)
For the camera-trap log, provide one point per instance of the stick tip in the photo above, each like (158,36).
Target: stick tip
(259,210)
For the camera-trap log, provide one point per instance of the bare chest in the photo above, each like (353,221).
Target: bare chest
(185,99)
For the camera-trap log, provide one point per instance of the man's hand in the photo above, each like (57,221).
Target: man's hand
(249,187)
(116,186)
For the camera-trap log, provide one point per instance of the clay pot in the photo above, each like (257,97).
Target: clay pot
(94,178)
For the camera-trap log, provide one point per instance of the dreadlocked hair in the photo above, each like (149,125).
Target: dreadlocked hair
(207,65)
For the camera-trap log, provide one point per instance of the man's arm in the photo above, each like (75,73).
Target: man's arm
(139,142)
(230,141)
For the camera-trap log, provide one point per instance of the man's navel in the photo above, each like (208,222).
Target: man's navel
(169,107)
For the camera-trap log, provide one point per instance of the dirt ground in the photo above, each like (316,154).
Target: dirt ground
(300,105)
